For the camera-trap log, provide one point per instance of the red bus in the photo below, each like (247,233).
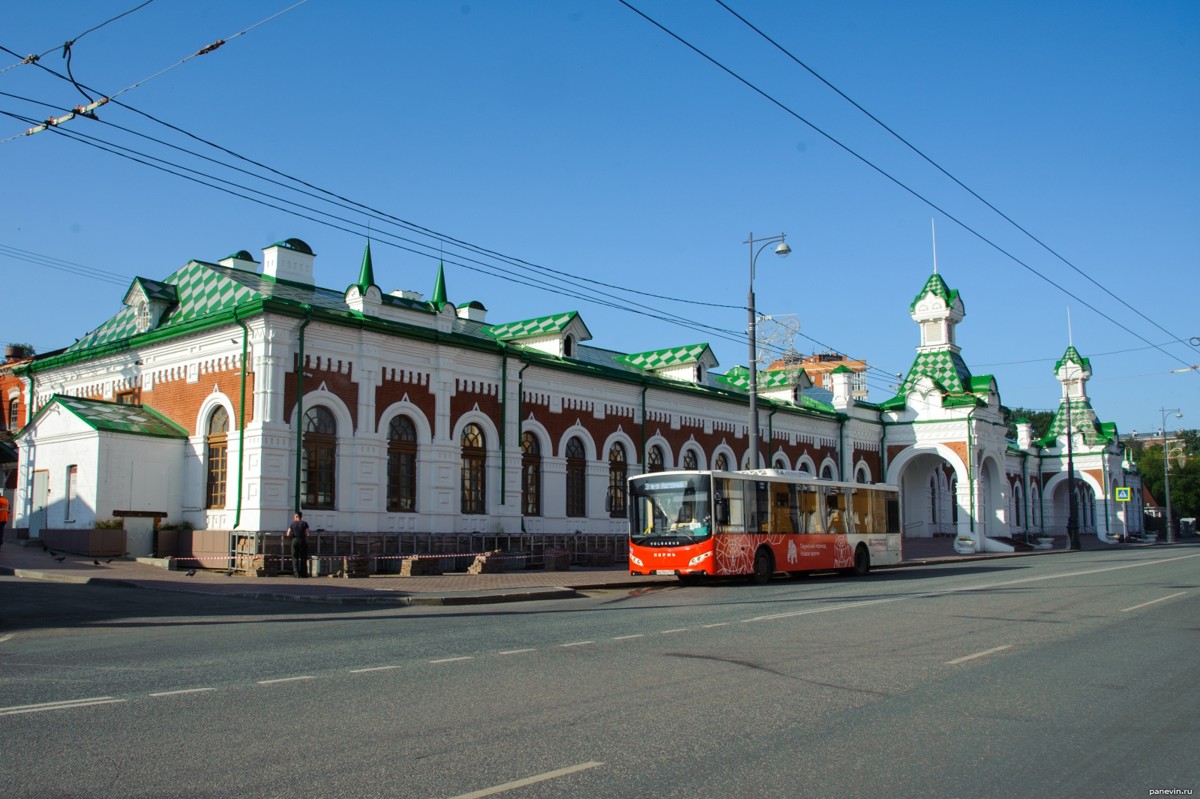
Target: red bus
(694,524)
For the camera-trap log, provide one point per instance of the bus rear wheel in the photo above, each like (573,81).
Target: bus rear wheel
(764,567)
(862,562)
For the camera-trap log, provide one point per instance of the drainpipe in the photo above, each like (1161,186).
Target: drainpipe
(1025,491)
(770,434)
(503,422)
(645,388)
(237,515)
(883,453)
(300,403)
(971,471)
(520,413)
(842,448)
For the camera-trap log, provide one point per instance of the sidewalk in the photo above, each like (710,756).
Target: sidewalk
(32,562)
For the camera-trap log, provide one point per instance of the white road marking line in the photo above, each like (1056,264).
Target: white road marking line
(508,786)
(1152,602)
(969,588)
(578,643)
(373,668)
(517,651)
(627,637)
(982,654)
(6,638)
(184,691)
(62,705)
(287,679)
(676,630)
(452,660)
(718,624)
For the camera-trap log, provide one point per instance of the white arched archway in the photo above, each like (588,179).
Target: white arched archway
(929,512)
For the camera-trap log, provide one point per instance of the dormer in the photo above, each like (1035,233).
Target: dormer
(473,311)
(150,301)
(558,335)
(689,364)
(291,260)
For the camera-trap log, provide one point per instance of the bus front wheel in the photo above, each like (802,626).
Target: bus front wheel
(764,567)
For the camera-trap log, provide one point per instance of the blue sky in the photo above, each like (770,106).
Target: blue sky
(578,137)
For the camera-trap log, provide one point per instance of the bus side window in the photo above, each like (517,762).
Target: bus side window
(808,510)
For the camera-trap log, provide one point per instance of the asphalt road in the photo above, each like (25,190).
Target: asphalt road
(1065,676)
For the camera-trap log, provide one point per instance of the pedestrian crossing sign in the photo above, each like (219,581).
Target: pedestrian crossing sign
(1123,493)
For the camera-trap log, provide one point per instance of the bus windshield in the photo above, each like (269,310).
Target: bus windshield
(670,506)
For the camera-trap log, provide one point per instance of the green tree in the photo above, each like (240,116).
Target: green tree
(1039,419)
(1185,476)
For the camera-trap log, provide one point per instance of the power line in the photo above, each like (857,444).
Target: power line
(66,47)
(847,149)
(939,168)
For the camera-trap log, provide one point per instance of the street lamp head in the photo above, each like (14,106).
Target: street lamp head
(783,250)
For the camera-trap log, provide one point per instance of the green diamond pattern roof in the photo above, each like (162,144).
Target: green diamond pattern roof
(1083,422)
(154,290)
(204,289)
(664,359)
(114,417)
(944,367)
(938,286)
(1072,355)
(531,328)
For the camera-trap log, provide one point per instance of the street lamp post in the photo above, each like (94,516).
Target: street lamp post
(1072,500)
(1167,468)
(782,250)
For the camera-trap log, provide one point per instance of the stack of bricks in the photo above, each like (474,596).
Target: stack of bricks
(487,563)
(418,567)
(261,565)
(557,560)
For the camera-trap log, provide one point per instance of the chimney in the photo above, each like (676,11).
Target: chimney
(240,260)
(290,260)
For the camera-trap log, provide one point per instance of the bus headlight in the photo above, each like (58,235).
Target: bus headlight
(696,561)
(634,559)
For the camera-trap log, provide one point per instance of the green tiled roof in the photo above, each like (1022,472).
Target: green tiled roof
(154,290)
(1072,355)
(739,378)
(203,289)
(531,328)
(944,367)
(664,359)
(938,286)
(1083,422)
(113,417)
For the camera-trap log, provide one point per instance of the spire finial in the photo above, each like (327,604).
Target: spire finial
(366,274)
(933,230)
(439,288)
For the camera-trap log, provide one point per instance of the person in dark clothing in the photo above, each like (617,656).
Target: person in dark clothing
(297,533)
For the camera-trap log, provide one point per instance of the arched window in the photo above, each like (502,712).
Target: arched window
(618,473)
(722,464)
(689,459)
(861,474)
(318,474)
(531,475)
(474,465)
(576,478)
(14,413)
(655,460)
(218,458)
(827,472)
(402,465)
(779,464)
(803,467)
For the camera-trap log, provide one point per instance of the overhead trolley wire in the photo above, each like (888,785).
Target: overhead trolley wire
(850,151)
(941,169)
